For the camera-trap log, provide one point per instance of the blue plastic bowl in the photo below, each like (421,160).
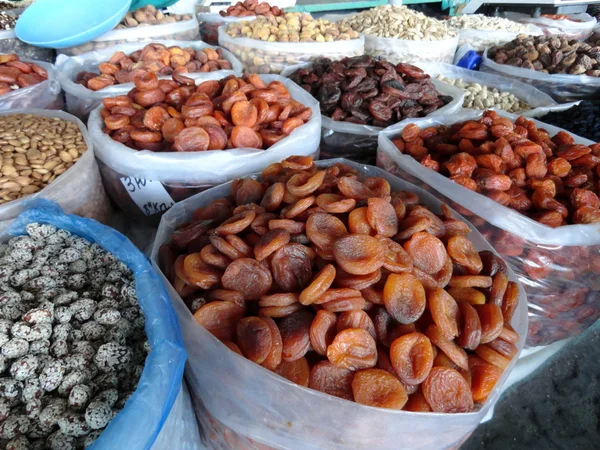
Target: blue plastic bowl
(67,23)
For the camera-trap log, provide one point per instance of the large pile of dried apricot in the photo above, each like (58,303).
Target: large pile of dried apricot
(548,178)
(177,115)
(341,285)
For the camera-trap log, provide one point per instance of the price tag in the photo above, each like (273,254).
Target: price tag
(150,196)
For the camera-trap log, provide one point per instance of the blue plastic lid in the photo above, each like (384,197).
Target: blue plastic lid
(470,60)
(66,23)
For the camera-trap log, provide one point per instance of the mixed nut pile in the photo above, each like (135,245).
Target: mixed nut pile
(478,96)
(370,91)
(291,27)
(16,74)
(149,15)
(7,20)
(251,8)
(549,54)
(177,115)
(341,285)
(35,150)
(157,58)
(482,22)
(399,22)
(72,339)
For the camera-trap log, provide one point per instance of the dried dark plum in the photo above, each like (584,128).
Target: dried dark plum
(360,61)
(366,85)
(351,100)
(395,89)
(339,114)
(360,114)
(380,111)
(369,94)
(445,99)
(329,95)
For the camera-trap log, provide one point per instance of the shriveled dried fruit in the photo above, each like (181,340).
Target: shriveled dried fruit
(353,349)
(376,387)
(446,391)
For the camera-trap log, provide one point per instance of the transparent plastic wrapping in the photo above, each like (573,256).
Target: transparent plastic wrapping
(580,28)
(78,191)
(10,43)
(359,142)
(44,95)
(185,173)
(145,413)
(541,103)
(558,267)
(239,404)
(210,23)
(482,39)
(81,100)
(402,50)
(561,87)
(185,30)
(273,57)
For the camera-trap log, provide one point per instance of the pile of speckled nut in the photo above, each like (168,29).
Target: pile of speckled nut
(149,15)
(35,150)
(72,340)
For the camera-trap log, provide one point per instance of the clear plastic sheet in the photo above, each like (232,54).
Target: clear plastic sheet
(210,23)
(185,173)
(273,57)
(78,191)
(185,30)
(240,403)
(81,100)
(574,30)
(541,103)
(145,413)
(44,95)
(562,87)
(558,267)
(407,51)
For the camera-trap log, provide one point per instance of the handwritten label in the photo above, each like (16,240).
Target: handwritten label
(150,196)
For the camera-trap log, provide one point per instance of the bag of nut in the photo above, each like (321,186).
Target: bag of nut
(485,90)
(573,26)
(238,401)
(541,217)
(184,30)
(44,94)
(561,86)
(259,56)
(49,154)
(145,183)
(345,136)
(75,282)
(81,100)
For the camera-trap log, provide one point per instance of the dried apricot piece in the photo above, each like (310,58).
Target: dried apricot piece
(464,281)
(378,388)
(198,273)
(295,335)
(254,338)
(273,359)
(322,331)
(358,254)
(412,358)
(353,188)
(210,255)
(273,197)
(396,259)
(324,229)
(244,137)
(510,301)
(191,139)
(292,267)
(233,347)
(335,204)
(382,217)
(470,327)
(356,319)
(331,379)
(492,356)
(304,183)
(269,243)
(220,318)
(344,304)
(248,276)
(353,349)
(236,224)
(297,371)
(484,377)
(359,223)
(279,311)
(462,251)
(244,113)
(492,322)
(469,295)
(417,402)
(444,311)
(446,391)
(404,297)
(427,252)
(452,351)
(226,296)
(503,347)
(320,283)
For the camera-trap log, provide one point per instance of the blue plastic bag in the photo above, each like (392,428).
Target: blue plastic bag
(140,421)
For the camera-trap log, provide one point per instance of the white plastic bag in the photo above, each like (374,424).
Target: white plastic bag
(580,28)
(541,103)
(359,142)
(562,87)
(482,39)
(272,57)
(243,405)
(184,30)
(81,100)
(186,173)
(210,23)
(402,50)
(44,95)
(562,302)
(78,191)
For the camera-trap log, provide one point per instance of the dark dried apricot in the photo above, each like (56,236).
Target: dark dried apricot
(331,379)
(404,297)
(322,331)
(378,388)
